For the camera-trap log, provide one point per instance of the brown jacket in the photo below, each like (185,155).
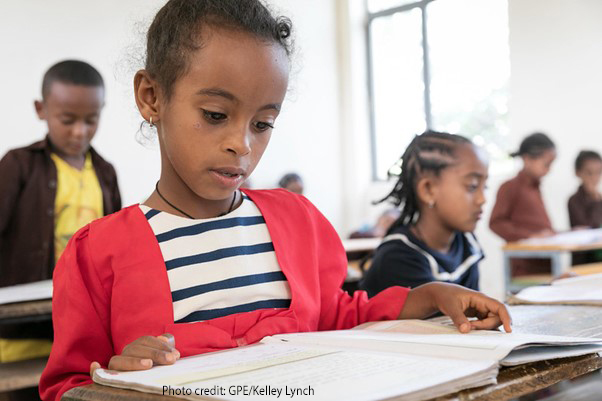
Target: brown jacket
(584,210)
(28,181)
(519,211)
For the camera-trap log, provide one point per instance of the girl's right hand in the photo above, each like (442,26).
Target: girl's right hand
(143,353)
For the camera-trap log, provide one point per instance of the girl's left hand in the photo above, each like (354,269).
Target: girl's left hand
(459,304)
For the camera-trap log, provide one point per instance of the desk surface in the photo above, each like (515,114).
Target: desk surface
(513,382)
(519,246)
(26,311)
(361,244)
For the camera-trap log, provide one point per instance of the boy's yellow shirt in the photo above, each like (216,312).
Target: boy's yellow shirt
(19,350)
(78,200)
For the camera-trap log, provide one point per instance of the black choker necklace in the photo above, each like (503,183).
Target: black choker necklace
(183,212)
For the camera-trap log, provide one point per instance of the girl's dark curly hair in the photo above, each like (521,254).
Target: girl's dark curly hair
(176,32)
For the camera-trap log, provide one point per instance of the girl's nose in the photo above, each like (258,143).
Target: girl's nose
(239,141)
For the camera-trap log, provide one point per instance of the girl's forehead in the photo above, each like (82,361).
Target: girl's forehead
(236,61)
(470,158)
(226,45)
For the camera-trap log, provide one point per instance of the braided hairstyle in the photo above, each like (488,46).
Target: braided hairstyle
(430,152)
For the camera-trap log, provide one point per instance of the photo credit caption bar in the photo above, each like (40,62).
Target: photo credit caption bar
(248,390)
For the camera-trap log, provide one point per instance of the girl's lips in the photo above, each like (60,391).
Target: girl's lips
(230,178)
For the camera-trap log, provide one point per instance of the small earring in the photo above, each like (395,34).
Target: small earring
(150,122)
(431,204)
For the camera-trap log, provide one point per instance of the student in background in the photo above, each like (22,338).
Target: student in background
(213,266)
(49,190)
(519,210)
(292,182)
(585,206)
(380,228)
(441,190)
(58,184)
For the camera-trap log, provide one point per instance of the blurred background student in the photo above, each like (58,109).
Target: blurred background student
(292,182)
(519,210)
(585,205)
(50,189)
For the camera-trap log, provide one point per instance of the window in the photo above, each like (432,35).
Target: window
(437,64)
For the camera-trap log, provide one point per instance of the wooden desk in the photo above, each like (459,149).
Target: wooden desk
(361,244)
(31,311)
(353,247)
(559,255)
(588,268)
(581,321)
(23,374)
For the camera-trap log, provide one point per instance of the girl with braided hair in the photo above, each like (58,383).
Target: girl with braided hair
(441,193)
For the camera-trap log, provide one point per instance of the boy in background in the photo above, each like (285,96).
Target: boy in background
(53,187)
(585,206)
(50,189)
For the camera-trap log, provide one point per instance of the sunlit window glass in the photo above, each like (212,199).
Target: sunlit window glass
(397,85)
(448,75)
(469,69)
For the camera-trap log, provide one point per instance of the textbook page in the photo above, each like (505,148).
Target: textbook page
(417,337)
(587,280)
(26,292)
(581,290)
(282,370)
(569,295)
(568,238)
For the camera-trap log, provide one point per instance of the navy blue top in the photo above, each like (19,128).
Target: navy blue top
(404,260)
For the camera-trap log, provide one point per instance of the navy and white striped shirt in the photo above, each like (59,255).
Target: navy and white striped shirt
(219,266)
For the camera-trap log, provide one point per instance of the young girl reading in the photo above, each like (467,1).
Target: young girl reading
(213,266)
(519,211)
(441,190)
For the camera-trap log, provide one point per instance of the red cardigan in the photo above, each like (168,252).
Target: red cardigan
(111,287)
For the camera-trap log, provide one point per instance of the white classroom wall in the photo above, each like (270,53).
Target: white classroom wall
(109,35)
(556,76)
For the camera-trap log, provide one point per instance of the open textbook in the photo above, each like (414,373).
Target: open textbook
(581,290)
(412,359)
(26,292)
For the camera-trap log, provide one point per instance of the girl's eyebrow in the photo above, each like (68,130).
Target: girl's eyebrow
(475,175)
(217,92)
(229,96)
